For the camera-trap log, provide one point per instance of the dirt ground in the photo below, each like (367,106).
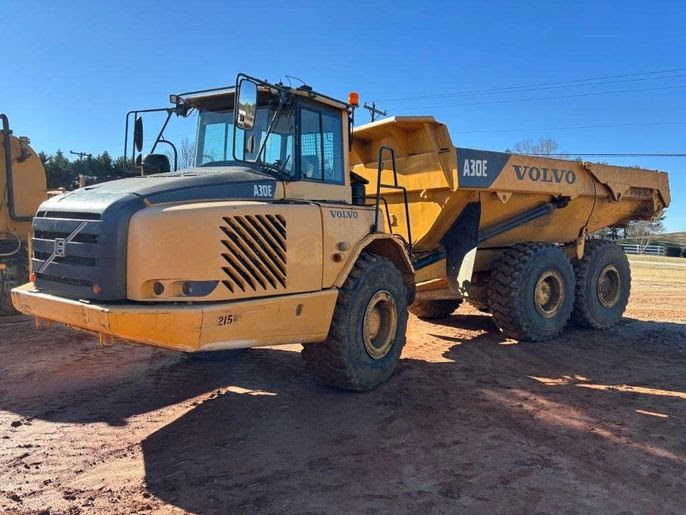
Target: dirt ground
(471,422)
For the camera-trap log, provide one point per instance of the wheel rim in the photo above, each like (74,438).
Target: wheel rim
(609,286)
(380,323)
(549,293)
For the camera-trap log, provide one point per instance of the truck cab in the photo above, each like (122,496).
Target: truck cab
(301,140)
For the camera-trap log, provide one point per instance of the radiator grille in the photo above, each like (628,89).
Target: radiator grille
(81,265)
(254,253)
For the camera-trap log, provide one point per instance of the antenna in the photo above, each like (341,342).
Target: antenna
(373,111)
(289,77)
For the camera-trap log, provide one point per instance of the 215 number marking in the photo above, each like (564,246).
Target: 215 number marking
(226,319)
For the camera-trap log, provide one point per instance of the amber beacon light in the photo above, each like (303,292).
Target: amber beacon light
(354,98)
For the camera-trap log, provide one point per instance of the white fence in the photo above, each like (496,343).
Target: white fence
(651,250)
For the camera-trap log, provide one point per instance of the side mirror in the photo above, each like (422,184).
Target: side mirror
(245,105)
(138,134)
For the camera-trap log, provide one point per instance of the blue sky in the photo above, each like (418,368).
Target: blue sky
(73,68)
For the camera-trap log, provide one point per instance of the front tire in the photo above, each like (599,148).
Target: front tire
(603,285)
(367,332)
(531,291)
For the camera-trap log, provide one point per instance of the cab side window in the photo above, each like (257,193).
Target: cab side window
(311,151)
(321,147)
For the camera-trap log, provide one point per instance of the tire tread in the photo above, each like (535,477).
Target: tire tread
(327,360)
(581,314)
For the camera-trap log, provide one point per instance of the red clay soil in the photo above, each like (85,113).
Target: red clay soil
(471,422)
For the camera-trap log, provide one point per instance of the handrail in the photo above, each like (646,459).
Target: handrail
(388,213)
(394,186)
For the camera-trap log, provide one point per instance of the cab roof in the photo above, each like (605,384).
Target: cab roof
(201,97)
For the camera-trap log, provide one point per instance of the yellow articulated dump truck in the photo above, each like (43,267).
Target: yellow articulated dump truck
(295,227)
(22,189)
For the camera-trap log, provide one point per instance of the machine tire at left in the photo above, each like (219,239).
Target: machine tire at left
(15,274)
(367,332)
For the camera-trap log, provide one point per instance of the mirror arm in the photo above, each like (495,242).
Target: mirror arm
(164,126)
(284,94)
(126,140)
(136,112)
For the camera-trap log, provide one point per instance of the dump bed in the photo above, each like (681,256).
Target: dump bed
(441,180)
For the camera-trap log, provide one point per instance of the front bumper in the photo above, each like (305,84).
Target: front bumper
(301,318)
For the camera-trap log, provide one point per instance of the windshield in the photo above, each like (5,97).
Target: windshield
(215,137)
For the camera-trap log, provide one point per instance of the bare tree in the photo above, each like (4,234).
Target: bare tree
(644,232)
(186,154)
(608,233)
(544,146)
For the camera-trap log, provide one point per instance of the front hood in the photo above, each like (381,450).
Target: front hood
(211,183)
(80,238)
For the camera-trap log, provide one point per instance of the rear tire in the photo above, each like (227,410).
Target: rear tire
(603,285)
(367,331)
(434,309)
(531,291)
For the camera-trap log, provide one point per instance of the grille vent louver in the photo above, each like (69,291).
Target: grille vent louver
(255,253)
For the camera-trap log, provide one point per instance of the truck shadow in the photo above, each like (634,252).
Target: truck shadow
(64,376)
(466,433)
(492,425)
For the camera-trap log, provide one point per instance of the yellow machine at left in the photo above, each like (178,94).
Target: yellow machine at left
(22,189)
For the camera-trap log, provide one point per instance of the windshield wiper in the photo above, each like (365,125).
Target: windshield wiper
(276,171)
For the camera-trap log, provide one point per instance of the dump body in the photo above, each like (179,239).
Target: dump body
(441,180)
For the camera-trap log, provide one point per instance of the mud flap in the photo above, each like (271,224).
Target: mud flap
(460,242)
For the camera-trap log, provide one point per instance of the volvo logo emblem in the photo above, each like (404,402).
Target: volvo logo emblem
(60,247)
